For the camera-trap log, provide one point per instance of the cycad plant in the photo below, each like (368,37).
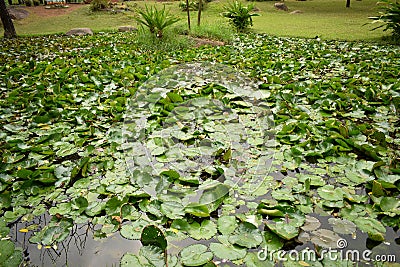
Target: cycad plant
(390,16)
(156,20)
(239,15)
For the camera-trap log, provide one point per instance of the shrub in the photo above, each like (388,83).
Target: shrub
(239,15)
(97,5)
(171,40)
(156,20)
(390,16)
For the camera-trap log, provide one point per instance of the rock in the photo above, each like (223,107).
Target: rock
(296,12)
(18,13)
(127,28)
(79,31)
(281,6)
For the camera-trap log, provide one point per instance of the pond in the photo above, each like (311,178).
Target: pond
(200,165)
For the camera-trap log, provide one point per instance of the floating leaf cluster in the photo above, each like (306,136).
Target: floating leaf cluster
(333,150)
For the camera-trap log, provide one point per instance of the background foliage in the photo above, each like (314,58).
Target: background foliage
(389,16)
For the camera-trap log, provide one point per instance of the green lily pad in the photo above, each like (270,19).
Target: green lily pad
(257,260)
(154,255)
(227,224)
(198,210)
(9,255)
(130,259)
(213,196)
(227,252)
(330,193)
(206,230)
(325,238)
(376,231)
(172,210)
(311,224)
(272,241)
(342,226)
(196,255)
(133,230)
(284,230)
(152,235)
(246,235)
(390,204)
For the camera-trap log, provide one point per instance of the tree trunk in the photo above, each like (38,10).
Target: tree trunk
(199,14)
(9,30)
(188,13)
(347,3)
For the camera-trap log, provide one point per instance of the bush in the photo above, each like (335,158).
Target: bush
(239,15)
(390,16)
(97,5)
(156,20)
(171,40)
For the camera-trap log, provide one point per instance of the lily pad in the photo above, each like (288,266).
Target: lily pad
(227,224)
(152,235)
(284,230)
(205,230)
(227,252)
(133,230)
(325,238)
(9,255)
(311,223)
(390,204)
(376,231)
(330,193)
(196,255)
(342,226)
(130,259)
(246,235)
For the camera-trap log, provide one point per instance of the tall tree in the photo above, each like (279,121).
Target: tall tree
(347,3)
(9,30)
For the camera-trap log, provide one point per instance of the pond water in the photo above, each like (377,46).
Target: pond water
(81,248)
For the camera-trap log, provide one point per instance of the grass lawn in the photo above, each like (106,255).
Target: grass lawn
(326,19)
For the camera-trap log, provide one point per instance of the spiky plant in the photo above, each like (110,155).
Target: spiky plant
(156,20)
(239,15)
(389,16)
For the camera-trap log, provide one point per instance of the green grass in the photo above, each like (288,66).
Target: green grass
(98,21)
(326,19)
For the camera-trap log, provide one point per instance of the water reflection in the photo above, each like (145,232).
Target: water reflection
(79,249)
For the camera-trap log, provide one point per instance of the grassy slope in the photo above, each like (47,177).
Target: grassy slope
(78,18)
(327,19)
